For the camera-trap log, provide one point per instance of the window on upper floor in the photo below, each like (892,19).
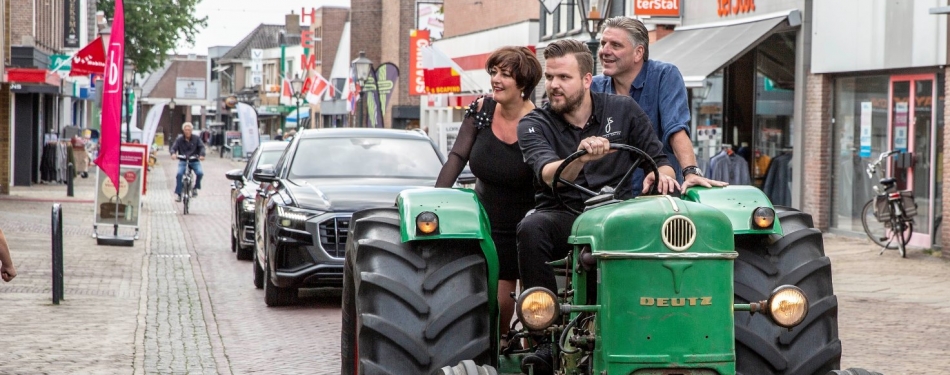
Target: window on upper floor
(565,20)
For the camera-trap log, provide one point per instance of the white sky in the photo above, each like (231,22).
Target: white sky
(229,21)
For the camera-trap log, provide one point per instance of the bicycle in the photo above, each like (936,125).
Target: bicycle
(187,190)
(889,216)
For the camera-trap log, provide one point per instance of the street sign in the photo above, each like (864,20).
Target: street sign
(257,67)
(59,63)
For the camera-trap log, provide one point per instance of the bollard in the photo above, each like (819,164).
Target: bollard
(57,233)
(71,172)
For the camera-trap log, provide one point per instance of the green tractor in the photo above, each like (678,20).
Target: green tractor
(717,281)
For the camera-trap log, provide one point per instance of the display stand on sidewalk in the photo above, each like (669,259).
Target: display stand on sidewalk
(121,209)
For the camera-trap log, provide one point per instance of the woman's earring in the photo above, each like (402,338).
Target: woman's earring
(522,94)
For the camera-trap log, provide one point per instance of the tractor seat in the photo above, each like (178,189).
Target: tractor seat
(888,182)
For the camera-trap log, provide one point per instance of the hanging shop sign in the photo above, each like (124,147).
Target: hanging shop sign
(657,8)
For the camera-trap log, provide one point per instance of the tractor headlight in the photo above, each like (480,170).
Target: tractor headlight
(427,223)
(788,306)
(537,308)
(763,217)
(293,218)
(248,205)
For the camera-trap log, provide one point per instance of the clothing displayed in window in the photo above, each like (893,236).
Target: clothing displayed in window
(778,180)
(729,167)
(53,162)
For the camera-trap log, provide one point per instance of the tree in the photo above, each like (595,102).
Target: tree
(154,27)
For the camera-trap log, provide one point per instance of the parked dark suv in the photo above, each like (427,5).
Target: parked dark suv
(305,203)
(243,192)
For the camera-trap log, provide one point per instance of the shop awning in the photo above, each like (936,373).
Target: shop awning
(700,50)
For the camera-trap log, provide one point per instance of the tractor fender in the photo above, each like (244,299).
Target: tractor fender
(737,203)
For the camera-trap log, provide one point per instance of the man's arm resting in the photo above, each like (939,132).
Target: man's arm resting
(683,148)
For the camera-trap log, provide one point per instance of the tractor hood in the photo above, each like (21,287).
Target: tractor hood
(637,225)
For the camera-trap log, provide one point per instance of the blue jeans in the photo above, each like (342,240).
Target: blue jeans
(196,166)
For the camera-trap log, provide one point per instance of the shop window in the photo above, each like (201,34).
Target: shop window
(860,104)
(707,114)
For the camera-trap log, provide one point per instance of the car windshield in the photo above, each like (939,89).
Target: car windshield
(365,157)
(269,157)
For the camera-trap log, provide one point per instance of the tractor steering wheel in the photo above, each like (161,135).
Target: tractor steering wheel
(639,157)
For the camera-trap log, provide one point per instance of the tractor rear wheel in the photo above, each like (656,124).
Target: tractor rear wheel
(411,308)
(764,263)
(853,371)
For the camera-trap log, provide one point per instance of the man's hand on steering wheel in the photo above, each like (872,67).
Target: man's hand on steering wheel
(667,184)
(596,148)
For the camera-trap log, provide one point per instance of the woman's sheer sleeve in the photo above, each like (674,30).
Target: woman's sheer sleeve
(458,157)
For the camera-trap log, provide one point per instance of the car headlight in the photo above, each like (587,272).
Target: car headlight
(248,205)
(788,306)
(537,308)
(294,218)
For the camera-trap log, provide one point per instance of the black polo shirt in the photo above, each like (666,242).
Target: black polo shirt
(545,137)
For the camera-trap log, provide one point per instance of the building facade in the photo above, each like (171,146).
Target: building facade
(882,86)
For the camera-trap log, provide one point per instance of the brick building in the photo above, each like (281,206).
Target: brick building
(33,30)
(381,29)
(181,79)
(327,35)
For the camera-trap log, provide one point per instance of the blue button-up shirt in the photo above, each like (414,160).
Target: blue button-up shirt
(658,89)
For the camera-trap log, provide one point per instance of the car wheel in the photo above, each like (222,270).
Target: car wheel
(258,273)
(244,252)
(234,243)
(274,295)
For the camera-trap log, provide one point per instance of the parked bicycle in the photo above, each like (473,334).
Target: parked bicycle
(187,183)
(888,218)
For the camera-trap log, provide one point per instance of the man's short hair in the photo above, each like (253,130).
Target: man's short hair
(560,48)
(635,29)
(524,67)
(187,125)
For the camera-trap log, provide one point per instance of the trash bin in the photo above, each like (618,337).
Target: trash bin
(237,152)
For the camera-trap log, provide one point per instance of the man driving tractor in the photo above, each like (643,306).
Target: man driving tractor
(576,119)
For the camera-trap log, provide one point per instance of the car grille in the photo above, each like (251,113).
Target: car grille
(333,234)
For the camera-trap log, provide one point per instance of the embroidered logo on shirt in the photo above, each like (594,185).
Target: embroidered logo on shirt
(531,130)
(607,133)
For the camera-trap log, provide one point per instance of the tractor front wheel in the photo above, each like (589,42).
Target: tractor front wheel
(795,258)
(414,307)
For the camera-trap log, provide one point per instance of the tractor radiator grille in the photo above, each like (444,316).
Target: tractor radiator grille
(679,233)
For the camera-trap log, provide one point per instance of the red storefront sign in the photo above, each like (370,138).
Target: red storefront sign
(659,8)
(418,39)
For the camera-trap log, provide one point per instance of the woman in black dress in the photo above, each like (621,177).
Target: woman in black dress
(488,142)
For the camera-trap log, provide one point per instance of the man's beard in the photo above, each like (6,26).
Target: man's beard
(571,103)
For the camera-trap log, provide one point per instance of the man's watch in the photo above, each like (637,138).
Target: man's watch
(693,170)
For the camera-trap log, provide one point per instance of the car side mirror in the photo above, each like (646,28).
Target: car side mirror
(265,174)
(235,175)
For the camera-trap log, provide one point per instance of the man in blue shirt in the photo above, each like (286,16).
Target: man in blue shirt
(659,89)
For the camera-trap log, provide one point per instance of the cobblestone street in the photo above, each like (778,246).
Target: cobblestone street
(179,302)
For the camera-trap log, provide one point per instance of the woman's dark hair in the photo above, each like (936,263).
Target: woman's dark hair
(523,65)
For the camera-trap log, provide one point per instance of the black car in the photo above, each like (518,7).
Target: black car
(305,202)
(243,192)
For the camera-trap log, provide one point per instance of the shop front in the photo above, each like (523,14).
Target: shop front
(742,70)
(884,102)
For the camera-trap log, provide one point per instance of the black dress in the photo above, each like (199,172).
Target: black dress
(504,185)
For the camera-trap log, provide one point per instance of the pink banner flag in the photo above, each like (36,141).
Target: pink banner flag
(109,140)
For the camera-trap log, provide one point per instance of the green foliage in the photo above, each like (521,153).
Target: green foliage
(154,27)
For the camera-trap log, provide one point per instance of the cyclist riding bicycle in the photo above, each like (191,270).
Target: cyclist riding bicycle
(188,147)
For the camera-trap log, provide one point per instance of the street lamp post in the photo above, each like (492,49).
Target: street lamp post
(297,85)
(363,65)
(593,19)
(171,117)
(129,81)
